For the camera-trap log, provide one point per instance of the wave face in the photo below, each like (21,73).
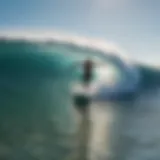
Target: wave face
(35,80)
(54,55)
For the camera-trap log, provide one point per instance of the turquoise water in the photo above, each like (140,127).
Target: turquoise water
(36,101)
(37,116)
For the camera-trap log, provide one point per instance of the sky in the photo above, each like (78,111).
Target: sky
(132,24)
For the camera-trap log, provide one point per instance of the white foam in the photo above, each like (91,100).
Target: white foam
(81,41)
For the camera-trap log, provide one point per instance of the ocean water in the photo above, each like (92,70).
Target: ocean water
(38,120)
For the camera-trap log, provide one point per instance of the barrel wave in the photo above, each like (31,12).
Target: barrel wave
(37,118)
(59,52)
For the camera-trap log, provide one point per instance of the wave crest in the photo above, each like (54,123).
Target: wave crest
(86,46)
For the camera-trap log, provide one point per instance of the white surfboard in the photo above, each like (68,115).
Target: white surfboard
(80,89)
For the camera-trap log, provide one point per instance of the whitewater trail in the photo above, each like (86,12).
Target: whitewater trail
(126,131)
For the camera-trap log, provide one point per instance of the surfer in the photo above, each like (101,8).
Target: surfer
(83,100)
(87,72)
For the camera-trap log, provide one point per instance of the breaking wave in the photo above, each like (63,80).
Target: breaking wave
(55,52)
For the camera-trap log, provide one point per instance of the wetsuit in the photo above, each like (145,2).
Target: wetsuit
(87,74)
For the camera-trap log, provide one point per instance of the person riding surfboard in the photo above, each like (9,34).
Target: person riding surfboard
(82,103)
(82,100)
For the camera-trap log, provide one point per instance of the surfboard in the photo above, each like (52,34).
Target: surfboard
(82,95)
